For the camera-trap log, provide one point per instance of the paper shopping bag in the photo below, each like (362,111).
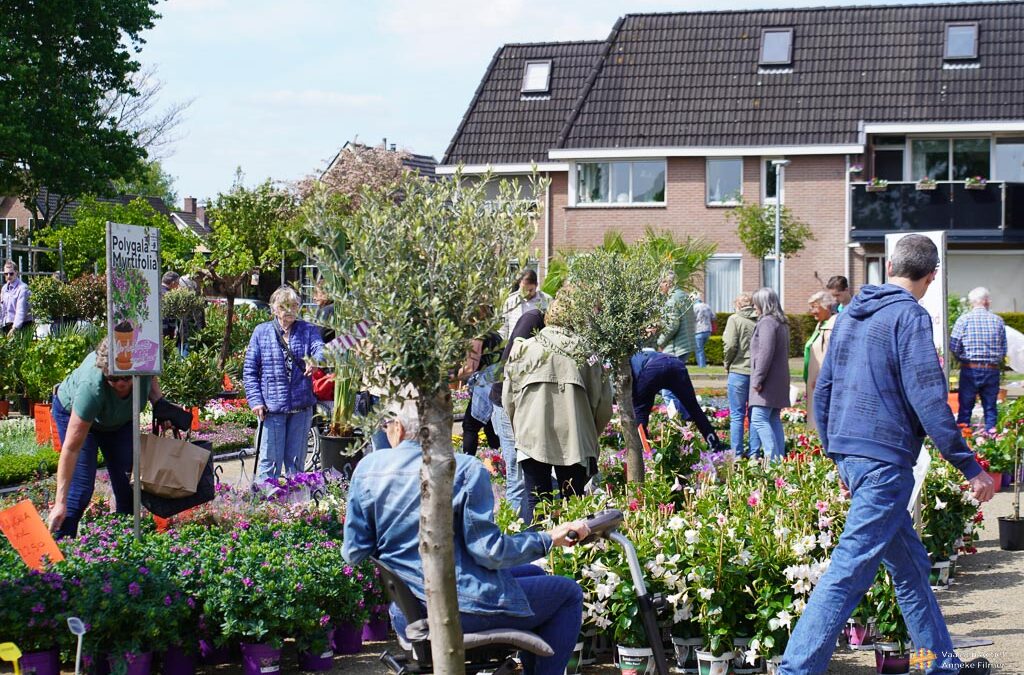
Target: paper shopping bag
(171,467)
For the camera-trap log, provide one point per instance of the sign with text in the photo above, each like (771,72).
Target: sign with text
(28,535)
(134,328)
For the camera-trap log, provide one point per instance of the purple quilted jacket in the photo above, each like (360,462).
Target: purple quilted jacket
(266,373)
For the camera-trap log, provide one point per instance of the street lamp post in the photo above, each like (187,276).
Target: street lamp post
(780,176)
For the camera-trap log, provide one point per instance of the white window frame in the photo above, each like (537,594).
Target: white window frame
(789,52)
(574,192)
(707,163)
(945,41)
(6,223)
(873,257)
(765,168)
(724,256)
(782,277)
(547,80)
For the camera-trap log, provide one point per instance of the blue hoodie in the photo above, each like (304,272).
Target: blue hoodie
(881,388)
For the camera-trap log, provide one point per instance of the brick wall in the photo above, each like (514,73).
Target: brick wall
(814,191)
(12,207)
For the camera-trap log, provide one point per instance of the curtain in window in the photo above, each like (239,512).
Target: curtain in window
(768,274)
(592,182)
(722,283)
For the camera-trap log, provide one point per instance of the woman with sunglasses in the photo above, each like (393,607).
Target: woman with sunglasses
(14,295)
(93,411)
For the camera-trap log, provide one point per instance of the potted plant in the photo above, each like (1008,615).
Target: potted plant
(191,380)
(339,446)
(926,183)
(128,295)
(877,184)
(51,300)
(1011,528)
(46,363)
(975,183)
(32,612)
(891,655)
(856,168)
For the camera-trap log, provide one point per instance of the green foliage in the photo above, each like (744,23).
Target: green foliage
(33,608)
(89,297)
(12,355)
(85,241)
(17,437)
(955,308)
(889,622)
(48,361)
(51,299)
(245,320)
(181,303)
(755,226)
(190,380)
(150,181)
(59,61)
(555,276)
(1013,320)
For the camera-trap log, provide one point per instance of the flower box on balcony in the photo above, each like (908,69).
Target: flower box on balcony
(926,185)
(876,188)
(975,183)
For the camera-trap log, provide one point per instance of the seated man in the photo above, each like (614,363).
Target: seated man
(654,371)
(383,521)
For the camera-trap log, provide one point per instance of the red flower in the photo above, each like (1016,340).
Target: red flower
(634,505)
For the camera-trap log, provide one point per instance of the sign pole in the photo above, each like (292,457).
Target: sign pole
(136,452)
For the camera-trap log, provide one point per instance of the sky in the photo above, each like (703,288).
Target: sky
(278,86)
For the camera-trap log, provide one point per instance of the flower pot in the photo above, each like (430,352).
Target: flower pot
(1011,533)
(636,660)
(124,343)
(347,639)
(740,666)
(889,660)
(5,409)
(686,652)
(138,664)
(997,480)
(210,655)
(876,188)
(259,659)
(335,454)
(926,186)
(859,634)
(576,660)
(97,664)
(376,630)
(195,419)
(178,661)
(939,576)
(316,662)
(41,663)
(709,664)
(974,186)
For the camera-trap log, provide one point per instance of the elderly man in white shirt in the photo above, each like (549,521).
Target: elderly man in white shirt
(526,298)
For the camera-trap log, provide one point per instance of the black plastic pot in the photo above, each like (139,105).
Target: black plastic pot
(338,453)
(1011,533)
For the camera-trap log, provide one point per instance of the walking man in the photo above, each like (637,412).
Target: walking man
(978,341)
(14,295)
(873,427)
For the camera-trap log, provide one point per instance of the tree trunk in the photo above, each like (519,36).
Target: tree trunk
(437,535)
(225,348)
(634,448)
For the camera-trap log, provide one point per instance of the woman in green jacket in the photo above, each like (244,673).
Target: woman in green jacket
(736,347)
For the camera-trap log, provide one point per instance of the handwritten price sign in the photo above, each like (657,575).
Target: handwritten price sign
(28,535)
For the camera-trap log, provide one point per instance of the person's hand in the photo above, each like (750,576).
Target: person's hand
(844,491)
(982,487)
(261,412)
(758,388)
(560,533)
(310,367)
(57,514)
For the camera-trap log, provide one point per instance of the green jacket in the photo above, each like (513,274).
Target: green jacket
(736,341)
(677,325)
(557,406)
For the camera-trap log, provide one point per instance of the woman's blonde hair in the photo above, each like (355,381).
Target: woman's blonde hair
(103,356)
(557,313)
(743,300)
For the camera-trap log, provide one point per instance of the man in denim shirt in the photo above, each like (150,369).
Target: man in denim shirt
(496,588)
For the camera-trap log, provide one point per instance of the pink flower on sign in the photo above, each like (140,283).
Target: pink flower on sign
(754,499)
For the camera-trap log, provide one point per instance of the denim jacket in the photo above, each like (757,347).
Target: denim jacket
(383,520)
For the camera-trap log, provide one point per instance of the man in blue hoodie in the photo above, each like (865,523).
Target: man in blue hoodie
(880,391)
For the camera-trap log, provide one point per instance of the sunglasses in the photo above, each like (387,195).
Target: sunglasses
(9,274)
(114,379)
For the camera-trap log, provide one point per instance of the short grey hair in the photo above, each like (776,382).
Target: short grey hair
(823,299)
(409,417)
(914,257)
(978,296)
(11,263)
(285,295)
(766,301)
(170,277)
(742,300)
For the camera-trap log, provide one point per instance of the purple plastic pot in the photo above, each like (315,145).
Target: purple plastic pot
(41,663)
(859,635)
(316,662)
(177,661)
(138,664)
(376,630)
(890,663)
(348,639)
(209,655)
(260,659)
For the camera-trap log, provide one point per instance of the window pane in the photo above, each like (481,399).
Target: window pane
(775,46)
(592,182)
(648,181)
(620,182)
(874,271)
(724,180)
(536,76)
(960,42)
(1010,159)
(971,158)
(930,158)
(722,283)
(770,186)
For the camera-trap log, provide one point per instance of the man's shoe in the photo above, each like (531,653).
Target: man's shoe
(979,666)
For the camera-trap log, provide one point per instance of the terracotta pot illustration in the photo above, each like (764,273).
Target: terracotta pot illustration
(125,337)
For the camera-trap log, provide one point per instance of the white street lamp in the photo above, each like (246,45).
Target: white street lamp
(780,175)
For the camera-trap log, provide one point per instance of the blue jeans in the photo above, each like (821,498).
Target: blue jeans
(557,604)
(738,391)
(513,477)
(671,377)
(878,530)
(974,382)
(768,425)
(701,339)
(117,452)
(283,448)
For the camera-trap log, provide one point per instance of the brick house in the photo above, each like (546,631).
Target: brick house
(674,118)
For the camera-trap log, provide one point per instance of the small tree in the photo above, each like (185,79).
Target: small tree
(417,262)
(755,226)
(613,305)
(248,236)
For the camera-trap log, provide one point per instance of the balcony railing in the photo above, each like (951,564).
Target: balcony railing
(992,212)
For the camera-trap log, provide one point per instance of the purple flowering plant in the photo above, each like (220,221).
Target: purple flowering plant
(33,608)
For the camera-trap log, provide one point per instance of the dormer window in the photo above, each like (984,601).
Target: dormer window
(961,41)
(776,47)
(537,77)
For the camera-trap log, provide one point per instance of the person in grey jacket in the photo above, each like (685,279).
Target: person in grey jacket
(739,329)
(769,372)
(677,322)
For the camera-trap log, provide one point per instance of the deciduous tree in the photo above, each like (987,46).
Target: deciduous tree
(755,226)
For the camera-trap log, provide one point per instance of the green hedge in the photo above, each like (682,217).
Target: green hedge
(1014,320)
(800,328)
(16,469)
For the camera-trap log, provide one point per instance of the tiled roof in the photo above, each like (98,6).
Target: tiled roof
(504,126)
(47,202)
(190,221)
(692,80)
(425,165)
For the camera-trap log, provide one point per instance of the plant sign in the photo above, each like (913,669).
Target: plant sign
(133,299)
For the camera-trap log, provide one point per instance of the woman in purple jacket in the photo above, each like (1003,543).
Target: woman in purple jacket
(281,357)
(769,373)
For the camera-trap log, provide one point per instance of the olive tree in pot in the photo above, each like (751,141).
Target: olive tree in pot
(416,261)
(190,380)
